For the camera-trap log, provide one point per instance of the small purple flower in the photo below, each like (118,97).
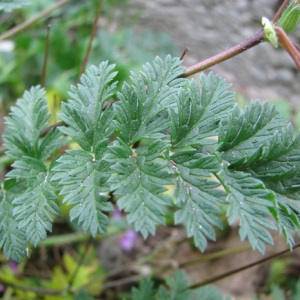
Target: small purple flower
(127,240)
(13,266)
(2,288)
(117,214)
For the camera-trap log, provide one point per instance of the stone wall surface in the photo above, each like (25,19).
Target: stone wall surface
(208,27)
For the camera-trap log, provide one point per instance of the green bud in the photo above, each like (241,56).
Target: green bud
(270,33)
(290,17)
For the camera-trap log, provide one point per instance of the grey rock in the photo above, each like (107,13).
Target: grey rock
(208,27)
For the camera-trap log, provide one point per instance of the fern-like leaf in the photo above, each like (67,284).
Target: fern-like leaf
(83,186)
(250,201)
(139,180)
(145,291)
(196,195)
(83,173)
(9,5)
(243,134)
(260,142)
(12,240)
(141,112)
(195,120)
(178,285)
(32,208)
(88,124)
(22,136)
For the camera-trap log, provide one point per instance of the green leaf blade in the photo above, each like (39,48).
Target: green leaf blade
(141,112)
(12,239)
(243,134)
(197,196)
(32,209)
(251,202)
(87,123)
(140,181)
(196,119)
(83,186)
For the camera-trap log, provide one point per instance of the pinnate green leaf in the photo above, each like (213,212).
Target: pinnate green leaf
(83,173)
(250,202)
(195,120)
(12,239)
(24,126)
(178,285)
(145,291)
(88,124)
(244,134)
(260,142)
(197,195)
(33,206)
(83,179)
(141,112)
(138,179)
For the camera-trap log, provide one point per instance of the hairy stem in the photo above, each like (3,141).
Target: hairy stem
(29,22)
(280,11)
(229,53)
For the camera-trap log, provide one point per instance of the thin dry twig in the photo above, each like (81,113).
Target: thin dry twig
(29,22)
(240,269)
(93,32)
(43,79)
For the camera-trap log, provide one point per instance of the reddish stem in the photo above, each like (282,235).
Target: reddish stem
(235,50)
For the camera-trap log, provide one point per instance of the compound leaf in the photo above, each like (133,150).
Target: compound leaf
(83,179)
(243,134)
(195,120)
(196,195)
(261,143)
(33,206)
(22,136)
(145,291)
(12,239)
(88,124)
(83,173)
(141,112)
(139,180)
(250,201)
(178,285)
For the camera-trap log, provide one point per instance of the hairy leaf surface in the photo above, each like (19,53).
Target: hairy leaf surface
(195,120)
(22,136)
(88,124)
(197,196)
(177,288)
(260,142)
(34,206)
(83,186)
(141,112)
(12,239)
(243,134)
(249,201)
(139,180)
(82,174)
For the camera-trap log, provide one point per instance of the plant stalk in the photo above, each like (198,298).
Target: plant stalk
(229,53)
(29,22)
(94,29)
(235,271)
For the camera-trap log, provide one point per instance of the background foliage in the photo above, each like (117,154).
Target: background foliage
(164,133)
